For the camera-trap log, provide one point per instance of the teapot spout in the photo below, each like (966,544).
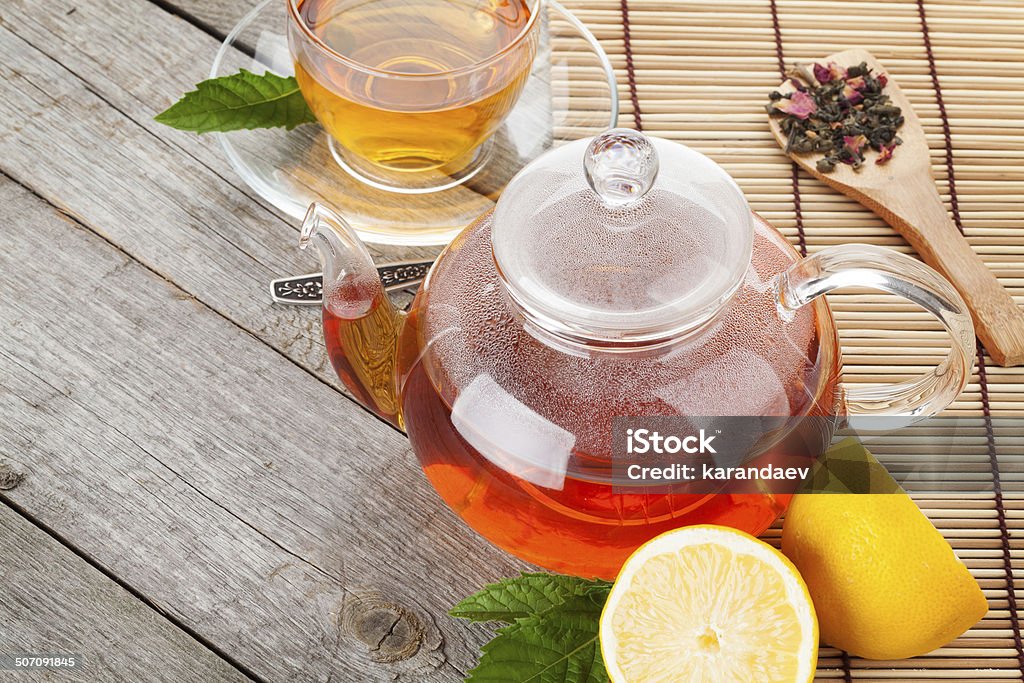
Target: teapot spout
(361,325)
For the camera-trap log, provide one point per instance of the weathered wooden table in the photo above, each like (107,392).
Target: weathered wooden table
(187,494)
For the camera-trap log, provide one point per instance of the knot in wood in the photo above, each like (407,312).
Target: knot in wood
(10,477)
(391,632)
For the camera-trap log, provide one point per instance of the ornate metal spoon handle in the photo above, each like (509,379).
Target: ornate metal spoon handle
(298,289)
(403,274)
(309,289)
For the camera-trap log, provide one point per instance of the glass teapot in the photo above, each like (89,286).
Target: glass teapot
(622,275)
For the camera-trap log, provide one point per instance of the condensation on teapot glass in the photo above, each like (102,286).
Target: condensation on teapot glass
(620,166)
(621,241)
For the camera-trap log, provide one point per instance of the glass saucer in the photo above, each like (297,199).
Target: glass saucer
(571,93)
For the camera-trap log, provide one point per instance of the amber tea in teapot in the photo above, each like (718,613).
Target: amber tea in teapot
(619,276)
(585,523)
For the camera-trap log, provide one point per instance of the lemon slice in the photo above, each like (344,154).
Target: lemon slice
(705,604)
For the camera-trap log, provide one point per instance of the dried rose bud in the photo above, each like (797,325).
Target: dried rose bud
(838,73)
(886,153)
(854,83)
(854,143)
(822,74)
(800,105)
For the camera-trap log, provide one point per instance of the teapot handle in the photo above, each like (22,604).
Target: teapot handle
(889,271)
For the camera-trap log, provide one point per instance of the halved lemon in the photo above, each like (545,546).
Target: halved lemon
(708,604)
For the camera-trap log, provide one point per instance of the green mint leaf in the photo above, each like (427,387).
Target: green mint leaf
(525,596)
(239,102)
(561,646)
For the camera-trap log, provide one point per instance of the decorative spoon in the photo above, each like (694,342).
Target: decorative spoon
(309,289)
(902,192)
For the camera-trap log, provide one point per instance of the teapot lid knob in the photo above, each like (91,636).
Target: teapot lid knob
(620,166)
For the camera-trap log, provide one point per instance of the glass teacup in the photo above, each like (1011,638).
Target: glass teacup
(410,91)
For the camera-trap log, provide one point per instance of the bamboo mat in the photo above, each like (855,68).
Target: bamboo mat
(699,72)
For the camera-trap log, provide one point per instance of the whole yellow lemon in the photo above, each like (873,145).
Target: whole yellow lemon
(885,583)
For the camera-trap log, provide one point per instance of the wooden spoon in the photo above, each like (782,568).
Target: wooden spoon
(903,193)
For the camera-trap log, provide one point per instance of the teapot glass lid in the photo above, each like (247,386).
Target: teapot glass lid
(622,239)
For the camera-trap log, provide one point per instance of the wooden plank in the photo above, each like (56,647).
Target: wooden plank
(83,98)
(53,602)
(216,16)
(239,493)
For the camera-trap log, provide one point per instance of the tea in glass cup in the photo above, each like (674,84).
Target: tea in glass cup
(412,87)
